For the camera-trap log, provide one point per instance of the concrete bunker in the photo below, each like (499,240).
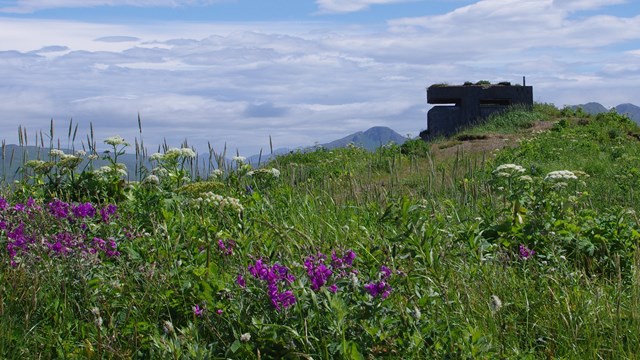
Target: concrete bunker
(462,105)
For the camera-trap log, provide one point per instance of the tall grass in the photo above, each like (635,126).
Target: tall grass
(332,253)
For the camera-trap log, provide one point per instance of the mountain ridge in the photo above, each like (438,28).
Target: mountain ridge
(594,108)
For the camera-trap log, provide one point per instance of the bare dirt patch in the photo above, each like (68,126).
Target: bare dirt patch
(486,143)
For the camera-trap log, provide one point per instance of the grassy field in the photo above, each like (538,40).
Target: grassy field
(517,239)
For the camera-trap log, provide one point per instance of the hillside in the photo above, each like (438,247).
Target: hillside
(370,140)
(523,247)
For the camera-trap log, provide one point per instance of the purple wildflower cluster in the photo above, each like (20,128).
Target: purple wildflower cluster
(226,246)
(319,273)
(60,230)
(381,287)
(525,252)
(277,276)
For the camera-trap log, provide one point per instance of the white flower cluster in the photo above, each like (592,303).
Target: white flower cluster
(187,153)
(160,171)
(273,172)
(151,179)
(239,159)
(103,171)
(216,174)
(508,170)
(155,157)
(34,163)
(219,201)
(68,156)
(560,175)
(56,153)
(115,141)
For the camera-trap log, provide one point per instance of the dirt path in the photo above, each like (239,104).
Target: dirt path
(486,143)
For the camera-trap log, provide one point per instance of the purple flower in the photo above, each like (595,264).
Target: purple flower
(317,271)
(275,276)
(83,210)
(197,310)
(283,300)
(226,248)
(381,287)
(107,212)
(525,252)
(341,265)
(386,272)
(240,281)
(3,204)
(58,209)
(219,311)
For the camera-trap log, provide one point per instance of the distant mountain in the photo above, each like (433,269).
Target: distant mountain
(591,108)
(630,110)
(594,108)
(370,140)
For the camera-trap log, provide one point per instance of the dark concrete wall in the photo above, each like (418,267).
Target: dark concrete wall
(471,104)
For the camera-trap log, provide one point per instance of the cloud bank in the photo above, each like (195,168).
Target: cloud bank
(27,6)
(303,83)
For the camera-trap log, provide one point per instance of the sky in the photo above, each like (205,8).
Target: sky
(297,72)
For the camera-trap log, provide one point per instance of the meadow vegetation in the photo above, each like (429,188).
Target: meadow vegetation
(526,252)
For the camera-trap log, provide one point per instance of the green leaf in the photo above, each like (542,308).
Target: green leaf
(235,346)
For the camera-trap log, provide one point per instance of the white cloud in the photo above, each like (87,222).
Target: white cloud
(304,82)
(578,5)
(27,6)
(345,6)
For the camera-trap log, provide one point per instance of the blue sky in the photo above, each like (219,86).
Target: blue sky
(300,71)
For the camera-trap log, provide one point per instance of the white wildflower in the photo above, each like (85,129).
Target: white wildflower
(217,173)
(509,168)
(168,327)
(56,153)
(156,157)
(245,337)
(92,157)
(34,163)
(115,141)
(417,314)
(188,153)
(275,172)
(495,303)
(80,153)
(102,170)
(239,159)
(251,173)
(560,175)
(160,171)
(526,178)
(151,179)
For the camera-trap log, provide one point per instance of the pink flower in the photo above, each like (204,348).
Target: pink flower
(197,310)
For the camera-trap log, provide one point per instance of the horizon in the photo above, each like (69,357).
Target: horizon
(242,72)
